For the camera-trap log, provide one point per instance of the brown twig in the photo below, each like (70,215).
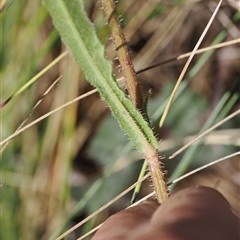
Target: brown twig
(120,43)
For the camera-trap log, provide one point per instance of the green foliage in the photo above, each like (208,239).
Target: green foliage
(104,140)
(78,33)
(157,11)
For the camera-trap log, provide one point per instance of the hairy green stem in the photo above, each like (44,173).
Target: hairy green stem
(79,34)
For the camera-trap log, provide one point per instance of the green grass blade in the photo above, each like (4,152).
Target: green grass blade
(34,79)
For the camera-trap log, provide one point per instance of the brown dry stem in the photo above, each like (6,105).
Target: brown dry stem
(157,173)
(120,43)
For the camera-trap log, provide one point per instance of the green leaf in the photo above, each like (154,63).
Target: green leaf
(79,35)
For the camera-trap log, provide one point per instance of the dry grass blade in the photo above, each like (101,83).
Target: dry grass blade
(134,204)
(140,17)
(47,115)
(223,137)
(90,232)
(205,133)
(205,166)
(226,21)
(31,112)
(34,79)
(175,181)
(202,50)
(185,55)
(187,65)
(3,5)
(102,208)
(162,35)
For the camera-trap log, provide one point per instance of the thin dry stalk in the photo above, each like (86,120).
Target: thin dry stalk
(120,43)
(205,133)
(47,115)
(102,208)
(187,65)
(31,112)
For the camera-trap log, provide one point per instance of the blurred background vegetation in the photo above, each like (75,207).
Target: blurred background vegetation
(65,167)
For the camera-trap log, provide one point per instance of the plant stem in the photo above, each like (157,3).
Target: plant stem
(120,43)
(151,154)
(79,34)
(157,175)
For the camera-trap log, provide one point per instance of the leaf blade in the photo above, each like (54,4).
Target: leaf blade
(79,35)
